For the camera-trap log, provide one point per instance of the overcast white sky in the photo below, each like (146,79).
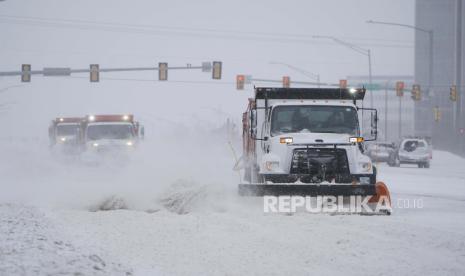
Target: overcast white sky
(61,45)
(246,35)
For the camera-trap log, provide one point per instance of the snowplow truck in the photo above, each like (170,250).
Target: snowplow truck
(103,133)
(309,142)
(64,131)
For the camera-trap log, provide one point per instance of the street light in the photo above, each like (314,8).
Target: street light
(302,71)
(430,34)
(360,50)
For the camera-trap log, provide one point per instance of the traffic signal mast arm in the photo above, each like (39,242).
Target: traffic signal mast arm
(65,71)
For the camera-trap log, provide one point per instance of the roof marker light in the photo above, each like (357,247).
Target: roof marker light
(91,118)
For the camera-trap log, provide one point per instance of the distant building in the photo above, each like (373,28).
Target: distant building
(444,18)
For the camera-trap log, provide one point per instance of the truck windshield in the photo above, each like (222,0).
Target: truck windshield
(97,132)
(67,130)
(319,119)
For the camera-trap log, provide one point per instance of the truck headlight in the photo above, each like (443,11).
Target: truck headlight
(63,139)
(286,140)
(366,166)
(271,165)
(95,144)
(129,143)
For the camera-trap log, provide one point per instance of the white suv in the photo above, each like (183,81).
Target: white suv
(412,151)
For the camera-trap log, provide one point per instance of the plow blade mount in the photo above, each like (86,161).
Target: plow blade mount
(283,189)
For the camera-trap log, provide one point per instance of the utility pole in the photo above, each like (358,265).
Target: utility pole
(386,111)
(459,104)
(400,118)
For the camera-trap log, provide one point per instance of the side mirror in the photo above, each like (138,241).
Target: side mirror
(369,123)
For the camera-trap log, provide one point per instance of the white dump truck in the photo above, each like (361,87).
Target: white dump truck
(64,131)
(110,133)
(308,142)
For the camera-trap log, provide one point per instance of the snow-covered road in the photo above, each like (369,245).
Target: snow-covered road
(203,228)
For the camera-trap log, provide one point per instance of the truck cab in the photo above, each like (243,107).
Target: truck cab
(102,133)
(64,131)
(307,135)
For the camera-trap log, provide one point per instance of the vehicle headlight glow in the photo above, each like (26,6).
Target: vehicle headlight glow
(286,140)
(129,143)
(356,139)
(63,139)
(91,118)
(95,144)
(125,117)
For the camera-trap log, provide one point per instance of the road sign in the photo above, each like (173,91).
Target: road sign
(206,66)
(55,71)
(373,86)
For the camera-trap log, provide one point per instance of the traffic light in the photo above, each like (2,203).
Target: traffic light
(437,113)
(453,93)
(240,80)
(26,73)
(94,73)
(216,74)
(342,84)
(162,71)
(416,92)
(400,88)
(286,82)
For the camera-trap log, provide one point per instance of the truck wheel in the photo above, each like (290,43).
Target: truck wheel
(426,165)
(420,165)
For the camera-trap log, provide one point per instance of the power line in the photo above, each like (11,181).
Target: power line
(79,21)
(173,31)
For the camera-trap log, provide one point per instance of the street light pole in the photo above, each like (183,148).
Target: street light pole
(360,50)
(431,48)
(302,71)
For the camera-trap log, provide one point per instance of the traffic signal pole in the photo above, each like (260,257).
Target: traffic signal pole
(65,71)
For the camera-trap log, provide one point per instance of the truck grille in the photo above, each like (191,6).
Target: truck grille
(323,164)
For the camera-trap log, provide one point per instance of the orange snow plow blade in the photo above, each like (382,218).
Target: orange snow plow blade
(379,201)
